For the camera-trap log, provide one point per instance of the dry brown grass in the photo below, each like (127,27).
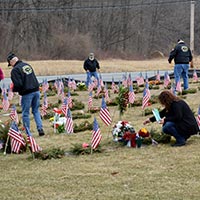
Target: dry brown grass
(152,172)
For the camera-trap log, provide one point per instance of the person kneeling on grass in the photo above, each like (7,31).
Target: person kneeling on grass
(177,118)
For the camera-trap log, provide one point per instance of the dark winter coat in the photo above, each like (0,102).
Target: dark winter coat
(91,65)
(181,54)
(181,114)
(24,79)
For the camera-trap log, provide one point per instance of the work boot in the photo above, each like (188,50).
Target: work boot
(41,132)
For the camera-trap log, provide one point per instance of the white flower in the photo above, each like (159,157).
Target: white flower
(118,129)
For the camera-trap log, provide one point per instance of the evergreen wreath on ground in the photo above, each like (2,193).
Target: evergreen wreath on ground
(83,126)
(77,105)
(189,91)
(55,153)
(80,116)
(82,149)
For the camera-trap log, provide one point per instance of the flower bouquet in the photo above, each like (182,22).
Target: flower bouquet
(125,132)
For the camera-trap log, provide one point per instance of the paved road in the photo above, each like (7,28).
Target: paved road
(107,77)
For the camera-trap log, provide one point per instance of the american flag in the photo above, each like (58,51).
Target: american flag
(129,80)
(101,81)
(146,79)
(178,86)
(90,101)
(17,140)
(56,83)
(131,95)
(113,85)
(195,77)
(124,80)
(106,93)
(198,117)
(69,100)
(64,107)
(158,75)
(62,94)
(104,113)
(73,84)
(98,90)
(95,83)
(5,102)
(60,86)
(13,114)
(173,88)
(146,96)
(166,79)
(45,85)
(69,122)
(140,79)
(96,135)
(34,146)
(44,105)
(10,94)
(91,86)
(69,83)
(3,89)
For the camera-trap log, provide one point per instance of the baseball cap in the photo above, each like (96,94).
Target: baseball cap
(10,57)
(180,41)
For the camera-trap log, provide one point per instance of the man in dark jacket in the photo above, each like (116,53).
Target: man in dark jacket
(183,58)
(27,85)
(91,66)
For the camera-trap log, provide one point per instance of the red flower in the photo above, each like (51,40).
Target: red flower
(124,123)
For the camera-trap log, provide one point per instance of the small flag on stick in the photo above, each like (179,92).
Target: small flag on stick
(13,114)
(69,122)
(131,95)
(146,96)
(34,146)
(5,102)
(17,140)
(104,113)
(96,135)
(90,101)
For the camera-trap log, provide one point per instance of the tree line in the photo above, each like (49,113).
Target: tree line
(70,29)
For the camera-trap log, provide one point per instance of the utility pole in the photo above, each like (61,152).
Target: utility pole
(192,3)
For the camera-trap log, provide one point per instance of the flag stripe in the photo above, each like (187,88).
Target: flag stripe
(105,116)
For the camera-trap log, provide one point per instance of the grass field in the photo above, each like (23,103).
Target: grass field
(152,172)
(60,67)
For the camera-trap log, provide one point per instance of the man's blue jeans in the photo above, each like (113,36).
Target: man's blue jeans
(170,129)
(181,70)
(31,100)
(89,76)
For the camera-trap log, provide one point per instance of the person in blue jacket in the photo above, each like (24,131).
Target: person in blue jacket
(27,85)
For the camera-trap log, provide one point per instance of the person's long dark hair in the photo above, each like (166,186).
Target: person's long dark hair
(166,98)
